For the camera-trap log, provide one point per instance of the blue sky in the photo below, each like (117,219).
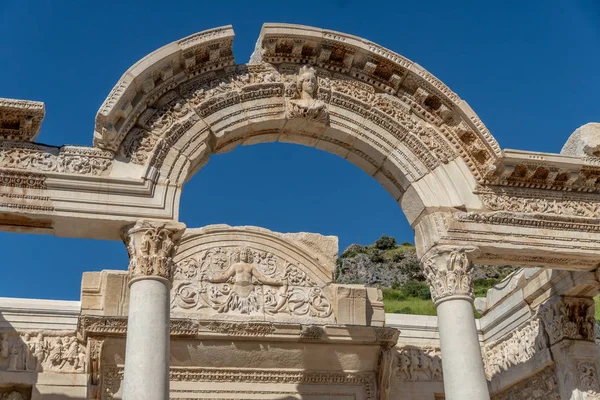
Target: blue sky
(530,69)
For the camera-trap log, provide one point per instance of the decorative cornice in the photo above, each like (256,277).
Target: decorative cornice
(113,376)
(20,119)
(546,171)
(103,326)
(151,246)
(448,272)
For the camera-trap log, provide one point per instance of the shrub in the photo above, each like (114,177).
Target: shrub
(385,242)
(376,255)
(416,289)
(393,294)
(398,257)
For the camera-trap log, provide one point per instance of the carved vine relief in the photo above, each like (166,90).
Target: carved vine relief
(515,348)
(38,352)
(246,281)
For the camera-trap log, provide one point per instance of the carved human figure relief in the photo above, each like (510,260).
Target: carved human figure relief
(419,364)
(306,105)
(242,294)
(247,281)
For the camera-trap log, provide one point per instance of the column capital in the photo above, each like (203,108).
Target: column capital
(567,317)
(151,245)
(448,271)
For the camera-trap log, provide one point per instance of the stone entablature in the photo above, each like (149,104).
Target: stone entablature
(20,119)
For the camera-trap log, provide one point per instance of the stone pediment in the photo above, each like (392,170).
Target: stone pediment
(248,273)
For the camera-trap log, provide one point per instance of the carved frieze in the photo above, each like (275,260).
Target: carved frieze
(246,281)
(40,352)
(43,159)
(365,381)
(568,318)
(448,271)
(517,347)
(541,205)
(418,364)
(151,246)
(541,386)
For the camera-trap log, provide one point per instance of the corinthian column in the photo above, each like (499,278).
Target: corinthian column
(150,246)
(448,272)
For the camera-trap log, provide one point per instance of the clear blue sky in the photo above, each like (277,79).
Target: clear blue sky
(530,69)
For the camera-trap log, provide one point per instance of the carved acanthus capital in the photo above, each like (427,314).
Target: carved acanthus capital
(151,246)
(448,272)
(568,318)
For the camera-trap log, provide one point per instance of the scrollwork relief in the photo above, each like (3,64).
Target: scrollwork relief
(515,348)
(507,202)
(246,281)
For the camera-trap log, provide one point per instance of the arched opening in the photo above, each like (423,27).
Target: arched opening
(290,188)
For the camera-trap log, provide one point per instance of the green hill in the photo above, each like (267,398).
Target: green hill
(396,269)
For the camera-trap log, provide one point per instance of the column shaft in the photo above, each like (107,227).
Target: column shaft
(464,376)
(147,348)
(448,271)
(151,246)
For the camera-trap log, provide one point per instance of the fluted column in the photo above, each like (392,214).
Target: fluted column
(448,271)
(151,246)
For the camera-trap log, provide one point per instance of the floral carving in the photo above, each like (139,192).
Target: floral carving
(241,329)
(505,202)
(448,272)
(541,386)
(150,246)
(515,348)
(568,318)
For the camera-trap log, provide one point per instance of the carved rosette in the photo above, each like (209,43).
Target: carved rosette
(151,246)
(568,318)
(448,272)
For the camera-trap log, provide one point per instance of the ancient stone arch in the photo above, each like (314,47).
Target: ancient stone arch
(386,114)
(467,200)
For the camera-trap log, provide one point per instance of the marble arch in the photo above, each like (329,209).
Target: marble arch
(467,200)
(377,109)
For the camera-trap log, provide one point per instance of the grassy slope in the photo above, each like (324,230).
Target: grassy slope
(394,302)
